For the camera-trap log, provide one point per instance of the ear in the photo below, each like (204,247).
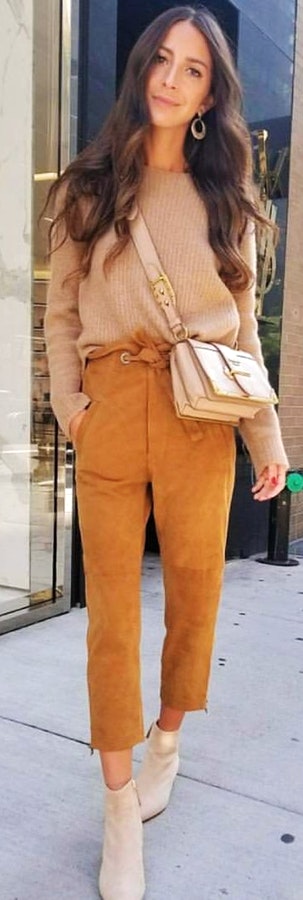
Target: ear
(209,103)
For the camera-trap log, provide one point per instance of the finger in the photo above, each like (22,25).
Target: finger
(267,495)
(265,484)
(273,474)
(268,491)
(261,482)
(276,473)
(272,477)
(257,486)
(262,494)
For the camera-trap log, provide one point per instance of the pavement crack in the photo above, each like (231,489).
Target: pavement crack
(65,737)
(220,787)
(201,781)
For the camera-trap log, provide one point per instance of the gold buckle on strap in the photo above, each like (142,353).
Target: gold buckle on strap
(180,332)
(163,291)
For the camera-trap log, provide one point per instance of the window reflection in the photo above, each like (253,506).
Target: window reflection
(274,18)
(266,74)
(271,160)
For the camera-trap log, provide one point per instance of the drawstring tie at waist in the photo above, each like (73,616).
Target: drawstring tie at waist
(154,357)
(140,349)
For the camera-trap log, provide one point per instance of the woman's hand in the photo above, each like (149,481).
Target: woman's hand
(75,422)
(270,482)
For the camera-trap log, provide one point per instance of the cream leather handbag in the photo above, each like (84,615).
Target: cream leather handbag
(210,380)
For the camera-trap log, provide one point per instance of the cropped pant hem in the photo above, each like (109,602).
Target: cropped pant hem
(123,742)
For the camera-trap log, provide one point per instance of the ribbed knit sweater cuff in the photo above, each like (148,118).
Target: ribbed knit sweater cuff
(265,443)
(66,406)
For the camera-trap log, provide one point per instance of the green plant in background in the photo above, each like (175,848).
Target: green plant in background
(270,334)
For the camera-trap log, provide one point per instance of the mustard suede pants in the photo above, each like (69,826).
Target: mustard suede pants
(129,442)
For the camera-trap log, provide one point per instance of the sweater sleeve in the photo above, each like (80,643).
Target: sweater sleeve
(62,328)
(261,435)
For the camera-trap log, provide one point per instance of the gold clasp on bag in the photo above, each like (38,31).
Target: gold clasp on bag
(163,291)
(233,373)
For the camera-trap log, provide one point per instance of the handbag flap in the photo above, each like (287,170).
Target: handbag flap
(230,370)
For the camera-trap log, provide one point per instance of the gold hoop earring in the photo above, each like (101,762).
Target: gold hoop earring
(198,128)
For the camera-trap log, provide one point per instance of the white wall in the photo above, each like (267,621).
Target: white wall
(16,53)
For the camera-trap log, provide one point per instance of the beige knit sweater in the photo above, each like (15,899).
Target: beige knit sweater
(101,309)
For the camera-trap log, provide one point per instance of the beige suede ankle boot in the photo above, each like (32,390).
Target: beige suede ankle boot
(158,771)
(122,873)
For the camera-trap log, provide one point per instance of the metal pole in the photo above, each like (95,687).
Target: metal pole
(279,519)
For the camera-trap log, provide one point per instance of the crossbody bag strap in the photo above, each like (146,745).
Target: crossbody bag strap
(159,283)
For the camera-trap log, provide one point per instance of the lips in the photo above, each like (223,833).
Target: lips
(166,101)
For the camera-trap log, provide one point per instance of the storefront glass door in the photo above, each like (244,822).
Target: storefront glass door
(35,472)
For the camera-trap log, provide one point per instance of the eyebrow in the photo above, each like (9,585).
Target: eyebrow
(188,58)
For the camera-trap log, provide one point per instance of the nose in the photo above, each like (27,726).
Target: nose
(170,76)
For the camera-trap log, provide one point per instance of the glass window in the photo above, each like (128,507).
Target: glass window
(273,18)
(266,74)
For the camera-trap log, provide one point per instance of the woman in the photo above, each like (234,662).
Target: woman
(175,144)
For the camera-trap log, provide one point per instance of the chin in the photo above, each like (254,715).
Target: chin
(165,118)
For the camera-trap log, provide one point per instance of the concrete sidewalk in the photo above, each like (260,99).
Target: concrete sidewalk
(234,827)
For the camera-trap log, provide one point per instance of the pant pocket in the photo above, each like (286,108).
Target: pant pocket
(84,425)
(228,435)
(194,428)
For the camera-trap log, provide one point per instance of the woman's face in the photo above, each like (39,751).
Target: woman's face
(179,81)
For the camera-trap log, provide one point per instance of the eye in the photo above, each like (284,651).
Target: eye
(160,59)
(195,72)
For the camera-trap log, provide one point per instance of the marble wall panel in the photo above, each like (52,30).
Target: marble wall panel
(15,289)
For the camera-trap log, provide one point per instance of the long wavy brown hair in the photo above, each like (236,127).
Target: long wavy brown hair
(101,184)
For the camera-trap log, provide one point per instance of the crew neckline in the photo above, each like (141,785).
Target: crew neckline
(164,171)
